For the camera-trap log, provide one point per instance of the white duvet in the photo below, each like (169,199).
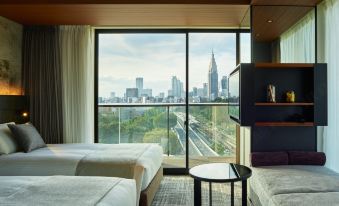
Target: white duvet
(67,191)
(116,160)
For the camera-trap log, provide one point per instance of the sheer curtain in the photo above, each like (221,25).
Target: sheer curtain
(76,48)
(328,45)
(297,44)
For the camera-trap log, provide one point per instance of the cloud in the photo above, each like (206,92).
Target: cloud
(158,57)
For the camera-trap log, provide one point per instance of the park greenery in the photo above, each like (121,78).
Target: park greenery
(150,125)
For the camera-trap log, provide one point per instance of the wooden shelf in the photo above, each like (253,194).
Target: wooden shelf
(284,124)
(284,104)
(284,66)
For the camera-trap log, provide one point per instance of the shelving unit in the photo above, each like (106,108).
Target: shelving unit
(283,66)
(308,81)
(284,104)
(284,124)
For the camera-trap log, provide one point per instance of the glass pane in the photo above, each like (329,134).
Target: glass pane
(211,132)
(141,90)
(245,48)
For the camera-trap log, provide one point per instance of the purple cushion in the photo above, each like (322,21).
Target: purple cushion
(269,158)
(306,158)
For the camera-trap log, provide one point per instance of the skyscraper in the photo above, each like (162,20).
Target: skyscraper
(213,79)
(139,83)
(131,92)
(224,86)
(177,87)
(205,89)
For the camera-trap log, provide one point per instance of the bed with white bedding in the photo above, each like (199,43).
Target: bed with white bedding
(67,190)
(133,161)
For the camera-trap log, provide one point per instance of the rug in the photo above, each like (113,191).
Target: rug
(178,190)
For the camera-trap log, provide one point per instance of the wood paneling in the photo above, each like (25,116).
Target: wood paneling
(127,15)
(232,2)
(286,2)
(282,17)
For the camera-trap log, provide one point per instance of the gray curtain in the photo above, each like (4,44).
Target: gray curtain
(42,80)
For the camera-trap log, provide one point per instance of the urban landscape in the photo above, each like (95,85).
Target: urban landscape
(142,117)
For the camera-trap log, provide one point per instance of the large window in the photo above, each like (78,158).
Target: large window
(143,95)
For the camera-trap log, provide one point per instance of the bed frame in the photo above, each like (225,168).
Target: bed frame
(147,195)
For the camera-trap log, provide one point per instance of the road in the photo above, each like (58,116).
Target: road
(197,142)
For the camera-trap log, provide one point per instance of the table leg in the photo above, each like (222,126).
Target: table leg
(232,193)
(197,192)
(210,194)
(244,193)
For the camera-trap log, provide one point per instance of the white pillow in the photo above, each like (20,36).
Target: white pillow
(7,141)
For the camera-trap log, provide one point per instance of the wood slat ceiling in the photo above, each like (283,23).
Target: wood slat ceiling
(225,2)
(127,15)
(286,2)
(283,17)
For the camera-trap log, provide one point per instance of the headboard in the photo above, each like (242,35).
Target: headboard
(14,108)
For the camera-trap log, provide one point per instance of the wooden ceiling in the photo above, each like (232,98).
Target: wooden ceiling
(282,17)
(148,13)
(286,2)
(127,15)
(224,2)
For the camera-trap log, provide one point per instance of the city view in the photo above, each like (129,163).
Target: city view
(137,113)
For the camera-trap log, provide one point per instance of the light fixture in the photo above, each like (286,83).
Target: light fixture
(269,21)
(25,114)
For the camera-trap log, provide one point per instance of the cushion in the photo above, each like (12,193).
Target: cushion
(269,158)
(27,137)
(8,144)
(306,158)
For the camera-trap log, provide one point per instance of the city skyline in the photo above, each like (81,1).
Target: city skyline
(209,91)
(160,59)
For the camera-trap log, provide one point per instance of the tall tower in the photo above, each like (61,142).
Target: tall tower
(139,83)
(213,79)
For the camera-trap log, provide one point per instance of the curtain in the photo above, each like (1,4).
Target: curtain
(298,43)
(328,45)
(42,80)
(76,49)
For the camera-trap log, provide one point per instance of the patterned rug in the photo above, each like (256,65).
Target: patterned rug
(178,190)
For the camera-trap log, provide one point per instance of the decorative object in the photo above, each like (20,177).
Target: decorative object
(290,96)
(8,79)
(271,93)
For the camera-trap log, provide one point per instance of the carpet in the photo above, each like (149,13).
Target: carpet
(178,190)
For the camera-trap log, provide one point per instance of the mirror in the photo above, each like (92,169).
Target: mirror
(283,34)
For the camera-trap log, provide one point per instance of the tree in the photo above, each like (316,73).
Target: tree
(159,135)
(160,121)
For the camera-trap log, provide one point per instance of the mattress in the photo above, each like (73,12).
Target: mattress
(67,190)
(116,160)
(293,184)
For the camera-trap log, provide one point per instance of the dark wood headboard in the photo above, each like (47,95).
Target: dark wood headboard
(12,108)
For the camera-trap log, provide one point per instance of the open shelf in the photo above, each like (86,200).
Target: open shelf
(285,65)
(284,104)
(284,124)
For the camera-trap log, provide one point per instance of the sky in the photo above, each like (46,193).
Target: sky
(158,57)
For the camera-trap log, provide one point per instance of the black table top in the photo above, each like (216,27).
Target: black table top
(220,172)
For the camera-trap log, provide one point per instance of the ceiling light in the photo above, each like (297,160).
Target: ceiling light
(269,21)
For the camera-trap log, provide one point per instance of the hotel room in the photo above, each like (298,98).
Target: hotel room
(151,103)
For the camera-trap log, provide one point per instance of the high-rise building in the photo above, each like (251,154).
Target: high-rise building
(224,86)
(212,79)
(139,84)
(131,92)
(145,93)
(112,95)
(195,91)
(205,89)
(177,87)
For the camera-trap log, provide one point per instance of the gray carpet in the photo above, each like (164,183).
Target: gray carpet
(178,190)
